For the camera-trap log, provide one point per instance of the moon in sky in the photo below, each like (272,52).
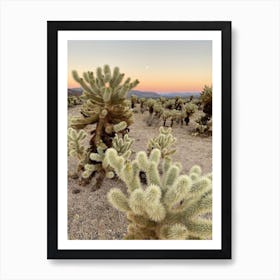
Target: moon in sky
(147,67)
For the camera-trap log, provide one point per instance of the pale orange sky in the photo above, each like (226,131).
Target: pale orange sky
(161,66)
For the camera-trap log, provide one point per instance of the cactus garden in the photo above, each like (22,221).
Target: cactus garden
(139,163)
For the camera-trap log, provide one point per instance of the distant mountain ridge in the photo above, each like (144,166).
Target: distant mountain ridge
(75,91)
(143,94)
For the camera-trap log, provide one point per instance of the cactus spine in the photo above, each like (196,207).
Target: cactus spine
(172,206)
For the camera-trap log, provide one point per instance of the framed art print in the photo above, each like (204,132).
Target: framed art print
(139,140)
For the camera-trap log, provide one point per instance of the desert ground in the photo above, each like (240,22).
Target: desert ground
(90,216)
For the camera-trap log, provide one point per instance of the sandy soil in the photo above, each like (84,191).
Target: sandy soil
(90,216)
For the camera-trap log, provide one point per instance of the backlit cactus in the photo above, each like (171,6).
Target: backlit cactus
(163,142)
(171,206)
(104,104)
(100,165)
(76,147)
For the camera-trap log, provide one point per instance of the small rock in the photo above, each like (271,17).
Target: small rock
(75,191)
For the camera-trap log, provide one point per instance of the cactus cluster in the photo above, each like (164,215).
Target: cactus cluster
(171,206)
(105,106)
(175,109)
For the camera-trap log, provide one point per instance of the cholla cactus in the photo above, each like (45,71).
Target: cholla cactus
(163,142)
(150,104)
(162,100)
(170,104)
(158,109)
(76,147)
(100,165)
(123,145)
(105,105)
(206,100)
(142,103)
(204,123)
(165,116)
(203,128)
(133,100)
(104,102)
(179,102)
(74,100)
(188,110)
(172,206)
(175,116)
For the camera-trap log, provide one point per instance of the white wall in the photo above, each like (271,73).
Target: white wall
(255,139)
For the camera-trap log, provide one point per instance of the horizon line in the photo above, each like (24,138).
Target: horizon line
(160,92)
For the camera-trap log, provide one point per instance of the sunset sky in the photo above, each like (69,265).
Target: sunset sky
(160,66)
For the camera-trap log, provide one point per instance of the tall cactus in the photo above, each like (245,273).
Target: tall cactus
(105,105)
(172,206)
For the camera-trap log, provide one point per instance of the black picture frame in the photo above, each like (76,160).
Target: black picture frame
(53,27)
